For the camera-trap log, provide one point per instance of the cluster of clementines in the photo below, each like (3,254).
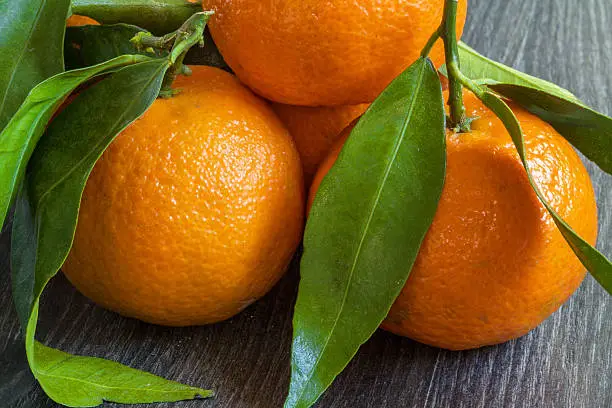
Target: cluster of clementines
(196,209)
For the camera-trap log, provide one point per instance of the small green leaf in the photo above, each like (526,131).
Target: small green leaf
(589,131)
(31,41)
(91,45)
(19,137)
(159,17)
(365,228)
(44,226)
(593,260)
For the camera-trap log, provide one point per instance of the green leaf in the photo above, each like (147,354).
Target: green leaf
(91,45)
(23,131)
(44,226)
(589,131)
(593,260)
(481,69)
(31,42)
(88,381)
(365,228)
(159,17)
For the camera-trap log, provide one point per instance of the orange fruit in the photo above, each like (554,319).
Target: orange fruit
(323,53)
(494,265)
(76,20)
(316,130)
(194,211)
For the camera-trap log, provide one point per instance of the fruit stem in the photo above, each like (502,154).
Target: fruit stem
(177,43)
(458,119)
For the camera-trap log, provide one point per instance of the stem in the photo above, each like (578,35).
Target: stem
(190,34)
(177,44)
(458,119)
(145,41)
(159,16)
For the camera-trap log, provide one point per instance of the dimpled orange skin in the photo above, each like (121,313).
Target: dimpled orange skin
(493,265)
(76,20)
(324,53)
(194,211)
(316,130)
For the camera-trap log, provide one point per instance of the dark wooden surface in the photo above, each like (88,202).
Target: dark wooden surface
(565,363)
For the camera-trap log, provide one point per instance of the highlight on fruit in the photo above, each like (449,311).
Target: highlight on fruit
(172,172)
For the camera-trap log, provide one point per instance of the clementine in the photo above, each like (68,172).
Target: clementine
(322,53)
(316,130)
(194,211)
(76,20)
(493,265)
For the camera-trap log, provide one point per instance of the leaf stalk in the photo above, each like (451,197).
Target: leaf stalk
(431,42)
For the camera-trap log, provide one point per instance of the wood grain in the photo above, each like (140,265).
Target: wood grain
(565,363)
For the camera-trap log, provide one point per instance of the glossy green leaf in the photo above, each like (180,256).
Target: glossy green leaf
(88,381)
(159,17)
(91,45)
(31,42)
(593,260)
(20,136)
(365,228)
(44,226)
(479,68)
(589,131)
